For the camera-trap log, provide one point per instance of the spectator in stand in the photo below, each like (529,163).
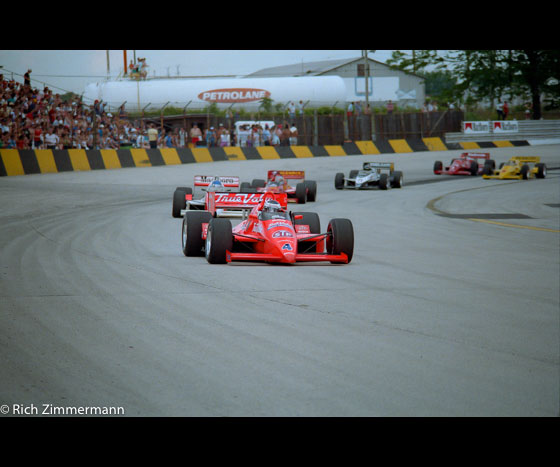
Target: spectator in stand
(152,136)
(293,135)
(499,111)
(224,139)
(196,134)
(292,110)
(285,140)
(51,139)
(27,78)
(266,136)
(390,107)
(505,110)
(275,139)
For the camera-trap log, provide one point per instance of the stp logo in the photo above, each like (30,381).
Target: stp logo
(282,234)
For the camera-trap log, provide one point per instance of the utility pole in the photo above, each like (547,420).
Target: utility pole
(108,67)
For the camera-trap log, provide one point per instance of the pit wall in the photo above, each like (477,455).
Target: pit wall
(34,161)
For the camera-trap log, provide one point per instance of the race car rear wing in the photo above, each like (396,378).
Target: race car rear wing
(534,159)
(379,165)
(287,174)
(239,202)
(205,180)
(475,155)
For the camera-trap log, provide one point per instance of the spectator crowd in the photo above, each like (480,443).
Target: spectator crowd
(31,118)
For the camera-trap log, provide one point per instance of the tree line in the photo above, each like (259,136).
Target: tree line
(470,76)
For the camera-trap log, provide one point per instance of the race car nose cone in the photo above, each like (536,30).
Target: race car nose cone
(289,257)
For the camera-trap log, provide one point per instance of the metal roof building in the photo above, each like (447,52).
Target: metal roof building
(384,83)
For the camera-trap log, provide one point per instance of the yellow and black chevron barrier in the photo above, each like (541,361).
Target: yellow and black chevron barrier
(35,161)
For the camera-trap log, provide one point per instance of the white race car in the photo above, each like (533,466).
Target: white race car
(371,176)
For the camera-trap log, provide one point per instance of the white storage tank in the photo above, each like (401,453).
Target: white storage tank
(240,92)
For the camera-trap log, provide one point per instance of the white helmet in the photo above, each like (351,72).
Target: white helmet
(271,205)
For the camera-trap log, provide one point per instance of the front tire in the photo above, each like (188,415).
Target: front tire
(340,238)
(384,182)
(474,168)
(191,237)
(438,167)
(525,172)
(219,240)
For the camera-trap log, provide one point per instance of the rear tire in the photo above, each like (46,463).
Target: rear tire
(244,186)
(258,183)
(353,174)
(341,238)
(541,170)
(398,179)
(312,220)
(339,181)
(311,186)
(219,240)
(438,166)
(191,236)
(309,218)
(301,193)
(179,203)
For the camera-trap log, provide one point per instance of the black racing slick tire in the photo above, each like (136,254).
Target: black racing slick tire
(219,240)
(474,168)
(438,166)
(525,172)
(312,220)
(340,238)
(309,218)
(398,179)
(244,186)
(311,186)
(186,189)
(541,170)
(258,183)
(179,203)
(301,193)
(191,234)
(384,183)
(339,181)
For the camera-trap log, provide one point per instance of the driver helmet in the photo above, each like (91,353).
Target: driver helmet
(215,185)
(271,205)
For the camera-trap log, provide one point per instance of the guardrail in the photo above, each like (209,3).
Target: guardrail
(528,130)
(38,161)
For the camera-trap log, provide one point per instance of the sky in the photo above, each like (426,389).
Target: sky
(72,70)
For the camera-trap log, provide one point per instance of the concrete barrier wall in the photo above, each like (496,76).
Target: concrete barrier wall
(35,161)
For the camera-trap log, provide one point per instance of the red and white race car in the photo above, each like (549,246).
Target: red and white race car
(469,163)
(277,182)
(183,196)
(269,233)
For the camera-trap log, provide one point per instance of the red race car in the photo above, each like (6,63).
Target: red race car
(469,163)
(268,233)
(277,182)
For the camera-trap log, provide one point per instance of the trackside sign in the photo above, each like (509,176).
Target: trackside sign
(497,126)
(233,95)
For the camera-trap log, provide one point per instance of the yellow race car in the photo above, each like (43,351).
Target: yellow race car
(517,168)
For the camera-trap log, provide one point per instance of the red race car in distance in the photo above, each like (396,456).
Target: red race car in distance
(277,182)
(269,233)
(469,163)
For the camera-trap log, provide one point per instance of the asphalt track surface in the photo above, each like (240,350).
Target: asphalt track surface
(450,306)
